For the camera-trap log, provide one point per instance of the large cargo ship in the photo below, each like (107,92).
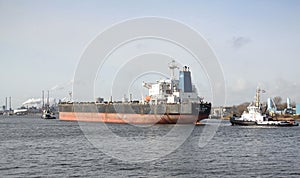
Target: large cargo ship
(170,101)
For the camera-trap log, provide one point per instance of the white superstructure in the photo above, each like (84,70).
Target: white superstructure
(254,110)
(173,90)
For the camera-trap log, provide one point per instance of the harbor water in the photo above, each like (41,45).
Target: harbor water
(33,147)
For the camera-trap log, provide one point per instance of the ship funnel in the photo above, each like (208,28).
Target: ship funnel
(288,103)
(185,81)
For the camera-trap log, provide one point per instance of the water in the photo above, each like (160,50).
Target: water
(32,147)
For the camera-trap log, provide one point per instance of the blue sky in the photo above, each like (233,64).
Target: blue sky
(257,42)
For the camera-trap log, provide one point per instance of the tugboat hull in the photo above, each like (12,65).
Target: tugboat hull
(278,123)
(235,121)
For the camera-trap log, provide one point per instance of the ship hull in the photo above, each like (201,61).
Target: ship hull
(142,114)
(130,118)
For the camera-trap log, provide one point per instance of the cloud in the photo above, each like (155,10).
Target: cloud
(242,90)
(240,85)
(285,88)
(239,91)
(240,41)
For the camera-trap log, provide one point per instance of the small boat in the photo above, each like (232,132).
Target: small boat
(254,116)
(48,114)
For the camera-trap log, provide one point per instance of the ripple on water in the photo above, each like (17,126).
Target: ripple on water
(32,147)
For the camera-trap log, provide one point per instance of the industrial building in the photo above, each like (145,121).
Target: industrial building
(298,109)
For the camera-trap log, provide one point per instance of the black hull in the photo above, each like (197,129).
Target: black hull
(233,121)
(48,117)
(137,108)
(280,125)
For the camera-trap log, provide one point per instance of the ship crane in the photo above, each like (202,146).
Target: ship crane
(147,85)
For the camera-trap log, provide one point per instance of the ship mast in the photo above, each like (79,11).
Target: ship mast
(43,101)
(172,67)
(257,97)
(48,104)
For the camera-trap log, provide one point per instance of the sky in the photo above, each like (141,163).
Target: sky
(257,42)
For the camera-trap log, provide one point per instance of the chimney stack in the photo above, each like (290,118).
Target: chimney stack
(5,103)
(10,103)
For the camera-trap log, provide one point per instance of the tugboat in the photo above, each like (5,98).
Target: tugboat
(47,113)
(254,116)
